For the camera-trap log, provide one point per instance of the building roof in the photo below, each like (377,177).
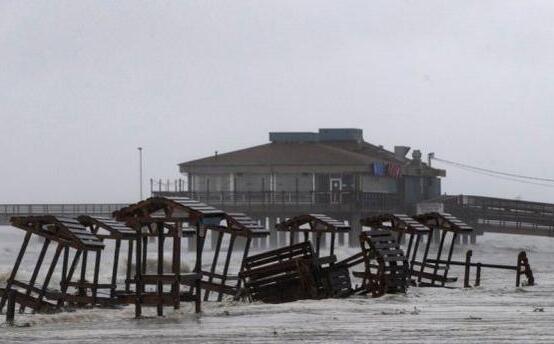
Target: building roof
(332,147)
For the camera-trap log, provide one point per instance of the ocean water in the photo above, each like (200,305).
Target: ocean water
(495,312)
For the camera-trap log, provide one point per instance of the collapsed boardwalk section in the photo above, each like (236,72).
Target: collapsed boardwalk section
(165,218)
(236,226)
(435,272)
(317,224)
(390,252)
(70,237)
(283,275)
(116,233)
(403,228)
(335,275)
(386,266)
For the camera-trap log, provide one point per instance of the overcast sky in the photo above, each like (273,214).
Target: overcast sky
(83,84)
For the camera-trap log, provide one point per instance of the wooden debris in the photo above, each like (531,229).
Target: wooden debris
(435,272)
(386,266)
(69,235)
(164,218)
(236,226)
(282,275)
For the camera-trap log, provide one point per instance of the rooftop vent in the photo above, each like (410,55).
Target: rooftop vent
(401,151)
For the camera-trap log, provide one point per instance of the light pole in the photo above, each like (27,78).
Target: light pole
(140,170)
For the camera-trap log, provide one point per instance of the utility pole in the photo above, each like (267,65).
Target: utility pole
(430,157)
(140,170)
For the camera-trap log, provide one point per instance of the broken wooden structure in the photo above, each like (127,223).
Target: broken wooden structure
(282,275)
(408,232)
(165,218)
(70,237)
(522,268)
(436,273)
(386,266)
(110,230)
(319,225)
(236,226)
(335,275)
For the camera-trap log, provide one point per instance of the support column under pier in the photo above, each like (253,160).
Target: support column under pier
(273,239)
(283,236)
(355,230)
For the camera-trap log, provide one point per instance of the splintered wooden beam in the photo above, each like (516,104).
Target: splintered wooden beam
(226,266)
(50,272)
(115,266)
(160,306)
(214,262)
(38,265)
(72,269)
(129,266)
(138,277)
(200,239)
(96,276)
(15,268)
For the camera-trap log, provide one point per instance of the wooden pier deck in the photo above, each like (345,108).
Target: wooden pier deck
(65,210)
(485,214)
(497,215)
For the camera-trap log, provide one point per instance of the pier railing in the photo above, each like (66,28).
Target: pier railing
(364,200)
(502,215)
(58,209)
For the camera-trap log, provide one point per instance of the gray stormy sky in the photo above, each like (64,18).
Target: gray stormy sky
(82,84)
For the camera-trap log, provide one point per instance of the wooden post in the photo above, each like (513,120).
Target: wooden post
(50,272)
(355,230)
(70,275)
(478,275)
(447,267)
(177,234)
(410,243)
(129,266)
(214,261)
(226,266)
(144,254)
(291,238)
(282,235)
(317,243)
(160,286)
(64,273)
(14,270)
(82,291)
(115,266)
(518,270)
(95,278)
(36,270)
(272,233)
(10,311)
(200,236)
(244,256)
(138,275)
(263,241)
(414,254)
(467,268)
(438,258)
(341,239)
(425,255)
(332,244)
